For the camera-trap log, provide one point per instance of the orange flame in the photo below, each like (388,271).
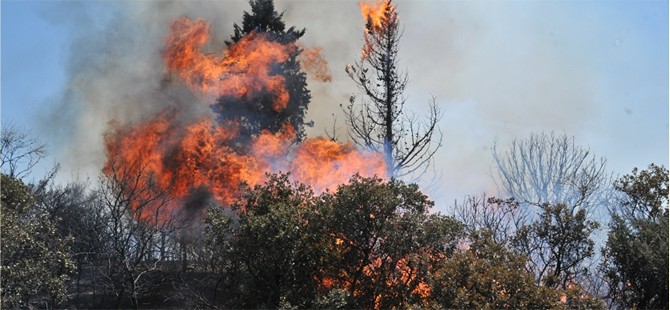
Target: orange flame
(245,68)
(380,17)
(169,158)
(182,157)
(374,13)
(406,274)
(312,62)
(324,164)
(179,159)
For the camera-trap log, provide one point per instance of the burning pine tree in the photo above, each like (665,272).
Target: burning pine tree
(259,130)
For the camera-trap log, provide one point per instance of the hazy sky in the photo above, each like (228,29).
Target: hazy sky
(596,70)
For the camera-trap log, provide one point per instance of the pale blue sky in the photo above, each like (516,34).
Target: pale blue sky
(597,70)
(36,41)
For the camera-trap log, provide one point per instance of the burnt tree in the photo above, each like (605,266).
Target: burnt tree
(380,123)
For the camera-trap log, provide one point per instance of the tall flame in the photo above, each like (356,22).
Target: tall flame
(245,68)
(374,13)
(181,157)
(177,159)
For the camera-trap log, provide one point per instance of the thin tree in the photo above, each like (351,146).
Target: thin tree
(135,223)
(380,123)
(500,218)
(20,151)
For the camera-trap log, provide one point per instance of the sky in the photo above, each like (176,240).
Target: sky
(595,70)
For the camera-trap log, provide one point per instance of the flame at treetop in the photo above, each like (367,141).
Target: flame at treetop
(380,18)
(173,154)
(374,13)
(244,68)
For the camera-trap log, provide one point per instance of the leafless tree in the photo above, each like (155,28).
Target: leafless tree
(550,168)
(381,123)
(72,207)
(20,151)
(500,217)
(136,220)
(561,187)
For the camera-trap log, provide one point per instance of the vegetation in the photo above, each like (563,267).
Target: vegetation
(255,111)
(36,263)
(636,254)
(381,123)
(371,243)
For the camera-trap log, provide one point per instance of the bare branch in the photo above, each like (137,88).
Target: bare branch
(20,151)
(550,168)
(380,124)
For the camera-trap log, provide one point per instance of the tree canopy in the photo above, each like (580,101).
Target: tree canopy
(255,112)
(636,253)
(36,263)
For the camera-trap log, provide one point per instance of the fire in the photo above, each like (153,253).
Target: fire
(245,68)
(167,157)
(324,164)
(380,18)
(175,159)
(312,62)
(404,274)
(173,153)
(375,13)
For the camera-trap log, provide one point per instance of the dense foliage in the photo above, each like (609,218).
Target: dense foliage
(370,243)
(637,244)
(255,112)
(36,263)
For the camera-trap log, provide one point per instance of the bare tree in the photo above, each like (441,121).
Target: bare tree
(133,233)
(380,123)
(550,168)
(20,151)
(500,217)
(73,209)
(560,187)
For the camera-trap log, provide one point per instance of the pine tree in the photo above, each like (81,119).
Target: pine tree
(255,112)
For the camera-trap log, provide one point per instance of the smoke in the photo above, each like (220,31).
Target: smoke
(116,73)
(498,71)
(494,79)
(197,200)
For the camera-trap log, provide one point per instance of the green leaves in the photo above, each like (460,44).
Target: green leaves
(369,244)
(35,262)
(388,241)
(557,243)
(636,253)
